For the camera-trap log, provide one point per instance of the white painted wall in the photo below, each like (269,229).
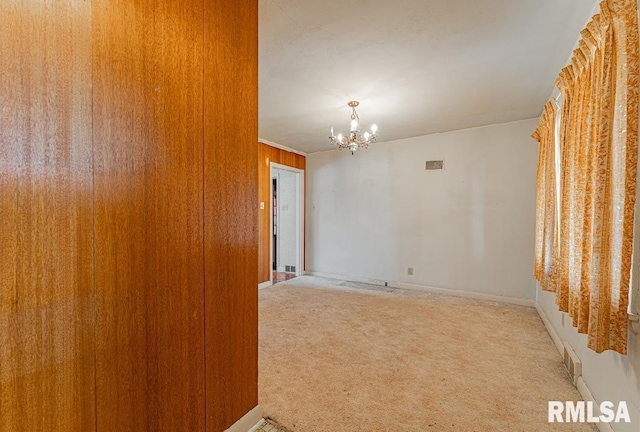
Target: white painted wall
(287,218)
(467,227)
(610,376)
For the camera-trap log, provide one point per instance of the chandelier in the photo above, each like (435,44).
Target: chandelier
(355,139)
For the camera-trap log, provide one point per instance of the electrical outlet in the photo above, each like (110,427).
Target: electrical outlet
(410,271)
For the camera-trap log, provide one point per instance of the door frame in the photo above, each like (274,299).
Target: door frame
(300,234)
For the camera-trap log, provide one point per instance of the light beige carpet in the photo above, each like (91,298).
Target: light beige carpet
(338,356)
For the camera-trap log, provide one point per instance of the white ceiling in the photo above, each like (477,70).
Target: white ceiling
(416,66)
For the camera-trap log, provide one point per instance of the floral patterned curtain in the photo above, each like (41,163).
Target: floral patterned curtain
(546,192)
(591,259)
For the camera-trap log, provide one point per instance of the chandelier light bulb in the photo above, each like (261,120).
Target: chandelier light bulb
(374,128)
(366,136)
(340,137)
(332,131)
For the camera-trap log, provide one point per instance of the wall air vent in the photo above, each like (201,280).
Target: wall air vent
(572,363)
(434,165)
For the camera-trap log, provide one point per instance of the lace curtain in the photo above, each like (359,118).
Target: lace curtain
(586,260)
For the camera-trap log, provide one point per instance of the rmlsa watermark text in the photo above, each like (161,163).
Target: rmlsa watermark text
(588,412)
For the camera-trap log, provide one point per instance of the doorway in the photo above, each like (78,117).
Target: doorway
(287,216)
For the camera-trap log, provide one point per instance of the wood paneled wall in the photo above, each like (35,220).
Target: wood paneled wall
(266,155)
(230,200)
(148,140)
(47,293)
(128,236)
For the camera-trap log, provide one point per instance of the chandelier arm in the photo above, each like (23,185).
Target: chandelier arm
(354,139)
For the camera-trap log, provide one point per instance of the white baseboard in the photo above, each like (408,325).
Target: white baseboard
(249,422)
(264,284)
(258,425)
(466,294)
(587,396)
(554,336)
(425,288)
(345,277)
(582,387)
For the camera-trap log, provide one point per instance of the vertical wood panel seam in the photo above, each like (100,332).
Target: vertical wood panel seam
(149,139)
(93,226)
(204,250)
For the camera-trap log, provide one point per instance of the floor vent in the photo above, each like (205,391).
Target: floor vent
(290,269)
(572,363)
